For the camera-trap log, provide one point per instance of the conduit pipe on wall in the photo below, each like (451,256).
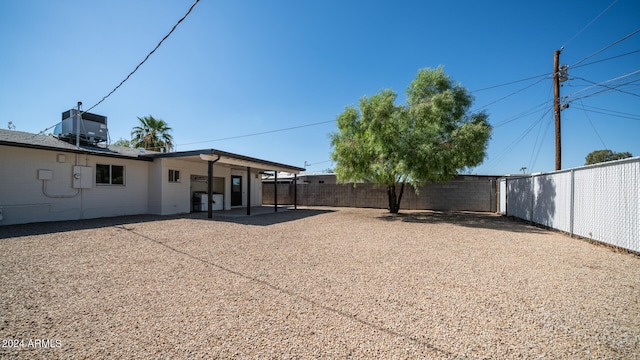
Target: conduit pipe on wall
(44,191)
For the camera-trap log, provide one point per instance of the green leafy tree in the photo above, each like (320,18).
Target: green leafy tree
(122,142)
(598,156)
(152,134)
(429,139)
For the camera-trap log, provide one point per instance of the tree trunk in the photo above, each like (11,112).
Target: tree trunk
(394,200)
(391,192)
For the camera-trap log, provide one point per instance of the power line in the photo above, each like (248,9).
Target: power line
(593,126)
(511,94)
(147,57)
(532,161)
(590,22)
(611,112)
(602,84)
(508,149)
(523,114)
(609,58)
(609,87)
(535,160)
(259,133)
(510,82)
(606,47)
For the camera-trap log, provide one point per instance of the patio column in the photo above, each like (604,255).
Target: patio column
(210,163)
(295,191)
(209,188)
(275,192)
(248,190)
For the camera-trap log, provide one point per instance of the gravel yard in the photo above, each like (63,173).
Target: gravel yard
(314,283)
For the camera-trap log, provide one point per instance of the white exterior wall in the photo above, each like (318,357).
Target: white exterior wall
(23,199)
(167,198)
(256,187)
(147,189)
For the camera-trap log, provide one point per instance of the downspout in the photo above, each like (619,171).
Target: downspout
(210,186)
(295,191)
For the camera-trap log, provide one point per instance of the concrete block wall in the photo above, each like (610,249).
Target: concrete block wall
(468,193)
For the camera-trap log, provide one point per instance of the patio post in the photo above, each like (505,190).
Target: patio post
(275,192)
(209,188)
(248,190)
(295,191)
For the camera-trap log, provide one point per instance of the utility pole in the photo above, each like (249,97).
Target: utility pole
(560,74)
(556,106)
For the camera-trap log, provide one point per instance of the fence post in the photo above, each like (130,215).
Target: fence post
(533,197)
(571,203)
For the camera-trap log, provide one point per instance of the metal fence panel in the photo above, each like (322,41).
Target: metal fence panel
(519,197)
(502,192)
(607,204)
(599,202)
(552,200)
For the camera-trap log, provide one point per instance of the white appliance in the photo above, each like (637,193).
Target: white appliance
(218,202)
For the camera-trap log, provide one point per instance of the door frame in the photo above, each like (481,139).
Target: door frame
(236,196)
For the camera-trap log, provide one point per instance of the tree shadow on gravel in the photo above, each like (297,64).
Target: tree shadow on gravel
(464,218)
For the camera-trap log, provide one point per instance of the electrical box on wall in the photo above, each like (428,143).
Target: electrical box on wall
(45,174)
(82,177)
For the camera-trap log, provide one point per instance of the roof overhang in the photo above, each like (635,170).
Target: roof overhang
(231,159)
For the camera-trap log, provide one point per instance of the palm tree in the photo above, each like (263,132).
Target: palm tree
(152,134)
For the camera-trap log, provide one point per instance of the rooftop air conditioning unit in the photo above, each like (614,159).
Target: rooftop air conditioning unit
(93,127)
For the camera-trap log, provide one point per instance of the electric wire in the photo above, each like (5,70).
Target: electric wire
(146,58)
(510,82)
(509,148)
(523,114)
(593,126)
(318,162)
(544,136)
(604,82)
(609,112)
(509,95)
(590,22)
(609,87)
(606,47)
(258,133)
(533,161)
(535,145)
(606,59)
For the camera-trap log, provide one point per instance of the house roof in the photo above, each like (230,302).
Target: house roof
(44,142)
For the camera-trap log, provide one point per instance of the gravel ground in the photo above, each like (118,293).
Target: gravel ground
(314,283)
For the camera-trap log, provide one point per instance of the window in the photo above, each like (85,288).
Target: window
(174,176)
(109,174)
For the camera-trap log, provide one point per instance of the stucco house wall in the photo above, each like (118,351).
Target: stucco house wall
(43,178)
(25,198)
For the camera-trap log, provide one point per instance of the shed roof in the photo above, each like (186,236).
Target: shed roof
(224,157)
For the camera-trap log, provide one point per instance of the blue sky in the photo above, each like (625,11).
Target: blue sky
(235,68)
